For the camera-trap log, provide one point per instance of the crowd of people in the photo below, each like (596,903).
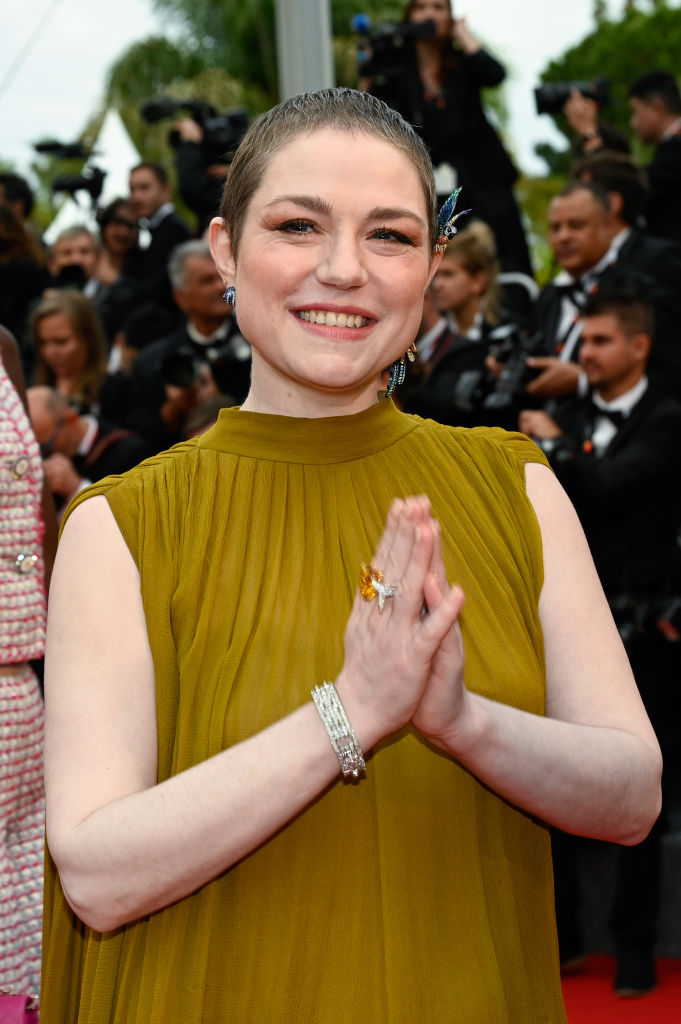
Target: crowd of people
(196,825)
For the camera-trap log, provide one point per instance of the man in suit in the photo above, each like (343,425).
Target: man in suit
(597,247)
(204,357)
(78,449)
(655,103)
(150,198)
(617,453)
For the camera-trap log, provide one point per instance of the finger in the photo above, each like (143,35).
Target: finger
(443,617)
(417,558)
(385,543)
(437,565)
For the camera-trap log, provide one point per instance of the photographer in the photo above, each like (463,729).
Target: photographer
(200,183)
(597,248)
(617,454)
(592,134)
(434,79)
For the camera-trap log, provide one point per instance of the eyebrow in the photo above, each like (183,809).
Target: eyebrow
(318,205)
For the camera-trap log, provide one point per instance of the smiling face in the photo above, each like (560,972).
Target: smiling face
(333,263)
(580,231)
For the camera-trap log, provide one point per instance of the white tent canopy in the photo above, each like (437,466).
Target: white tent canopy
(115,154)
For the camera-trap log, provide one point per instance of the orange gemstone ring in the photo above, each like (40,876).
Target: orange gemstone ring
(371,586)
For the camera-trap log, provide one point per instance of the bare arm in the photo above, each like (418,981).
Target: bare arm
(591,766)
(125,845)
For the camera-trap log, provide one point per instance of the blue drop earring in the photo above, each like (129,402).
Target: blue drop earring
(229,295)
(398,370)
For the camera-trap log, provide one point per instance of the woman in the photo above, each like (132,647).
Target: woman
(115,282)
(27,542)
(220,868)
(437,88)
(70,347)
(450,381)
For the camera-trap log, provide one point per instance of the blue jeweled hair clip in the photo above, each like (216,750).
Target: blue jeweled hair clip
(446,219)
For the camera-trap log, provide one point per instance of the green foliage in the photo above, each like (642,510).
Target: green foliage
(148,68)
(235,35)
(621,50)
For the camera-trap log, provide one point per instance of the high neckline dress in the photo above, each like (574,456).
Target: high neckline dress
(415,894)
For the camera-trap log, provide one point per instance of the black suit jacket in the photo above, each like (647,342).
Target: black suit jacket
(651,266)
(153,282)
(114,451)
(627,498)
(147,389)
(663,211)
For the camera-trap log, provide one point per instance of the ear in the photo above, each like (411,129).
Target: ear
(435,261)
(221,249)
(481,282)
(640,344)
(616,203)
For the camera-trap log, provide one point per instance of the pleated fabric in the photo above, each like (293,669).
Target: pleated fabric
(414,895)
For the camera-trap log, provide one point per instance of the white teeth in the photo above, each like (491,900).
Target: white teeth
(330,319)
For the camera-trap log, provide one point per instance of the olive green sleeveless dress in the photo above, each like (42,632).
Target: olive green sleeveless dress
(413,895)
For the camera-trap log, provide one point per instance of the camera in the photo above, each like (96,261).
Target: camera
(512,350)
(551,97)
(222,133)
(384,53)
(91,180)
(183,367)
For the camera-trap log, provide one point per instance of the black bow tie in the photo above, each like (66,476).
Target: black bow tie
(574,291)
(616,417)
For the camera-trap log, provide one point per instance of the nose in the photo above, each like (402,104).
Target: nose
(342,264)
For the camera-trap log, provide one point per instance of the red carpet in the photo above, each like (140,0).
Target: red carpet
(589,998)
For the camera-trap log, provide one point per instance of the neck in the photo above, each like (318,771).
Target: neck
(466,314)
(666,123)
(206,325)
(269,394)
(429,56)
(610,390)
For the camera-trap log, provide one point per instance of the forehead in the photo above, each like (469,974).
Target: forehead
(75,242)
(144,176)
(57,322)
(197,265)
(605,324)
(578,204)
(331,161)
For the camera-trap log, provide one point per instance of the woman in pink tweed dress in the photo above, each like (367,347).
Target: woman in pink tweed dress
(22,628)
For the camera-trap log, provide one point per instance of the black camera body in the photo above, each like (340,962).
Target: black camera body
(384,52)
(513,351)
(551,97)
(222,133)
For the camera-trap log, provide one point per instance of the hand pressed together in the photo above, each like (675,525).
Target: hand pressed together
(405,663)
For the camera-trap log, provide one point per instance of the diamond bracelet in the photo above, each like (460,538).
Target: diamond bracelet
(342,735)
